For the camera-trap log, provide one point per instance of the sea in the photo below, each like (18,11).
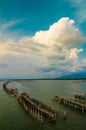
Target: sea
(13,116)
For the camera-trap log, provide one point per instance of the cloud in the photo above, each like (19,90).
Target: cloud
(73,53)
(80,6)
(81,16)
(6,25)
(62,32)
(60,41)
(7,30)
(61,36)
(76,2)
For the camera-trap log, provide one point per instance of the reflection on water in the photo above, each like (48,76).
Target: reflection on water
(13,117)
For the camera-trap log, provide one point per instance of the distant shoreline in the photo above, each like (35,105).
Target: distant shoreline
(48,79)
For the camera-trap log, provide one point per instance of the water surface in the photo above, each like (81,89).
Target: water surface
(13,116)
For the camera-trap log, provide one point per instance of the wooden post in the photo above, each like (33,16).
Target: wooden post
(64,115)
(82,109)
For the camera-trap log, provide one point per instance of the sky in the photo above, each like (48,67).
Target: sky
(42,38)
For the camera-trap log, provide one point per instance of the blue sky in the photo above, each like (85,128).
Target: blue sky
(42,38)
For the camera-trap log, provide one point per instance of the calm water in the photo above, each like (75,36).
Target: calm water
(13,117)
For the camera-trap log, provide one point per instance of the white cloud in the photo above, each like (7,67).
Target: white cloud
(76,2)
(61,36)
(73,53)
(9,24)
(62,32)
(5,29)
(80,6)
(81,16)
(60,41)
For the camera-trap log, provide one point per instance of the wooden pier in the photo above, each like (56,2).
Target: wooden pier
(36,108)
(71,102)
(80,97)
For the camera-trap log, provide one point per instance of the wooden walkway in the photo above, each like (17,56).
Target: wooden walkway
(37,109)
(80,97)
(71,102)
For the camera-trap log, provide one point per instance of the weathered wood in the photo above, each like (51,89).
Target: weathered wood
(36,108)
(71,102)
(80,97)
